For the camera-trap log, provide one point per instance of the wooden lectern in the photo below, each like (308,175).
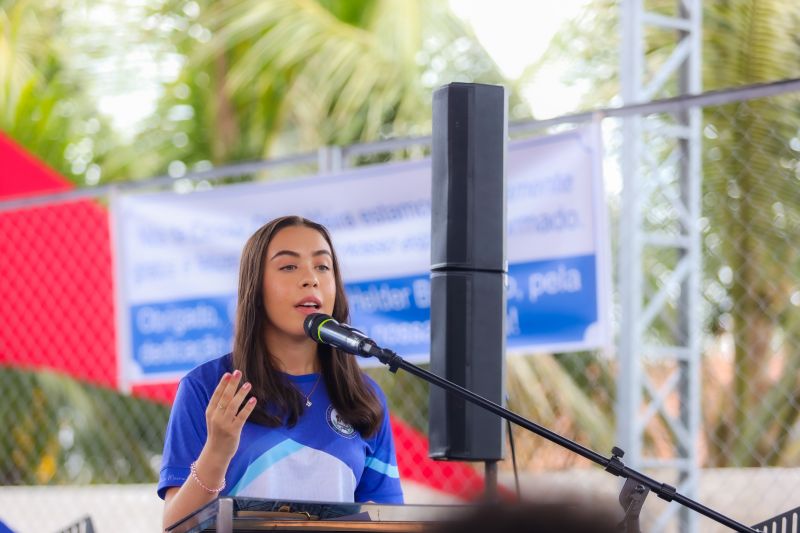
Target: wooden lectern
(236,515)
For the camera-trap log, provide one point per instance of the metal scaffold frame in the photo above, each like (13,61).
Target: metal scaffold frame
(676,181)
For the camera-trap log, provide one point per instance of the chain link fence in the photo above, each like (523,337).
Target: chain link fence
(751,290)
(75,447)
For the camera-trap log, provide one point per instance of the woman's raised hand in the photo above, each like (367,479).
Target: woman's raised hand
(225,415)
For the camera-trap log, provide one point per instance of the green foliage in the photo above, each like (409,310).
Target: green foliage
(43,104)
(750,199)
(267,79)
(571,393)
(61,431)
(407,395)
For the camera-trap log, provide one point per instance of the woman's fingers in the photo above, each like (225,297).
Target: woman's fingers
(216,395)
(223,423)
(244,414)
(225,398)
(238,398)
(223,382)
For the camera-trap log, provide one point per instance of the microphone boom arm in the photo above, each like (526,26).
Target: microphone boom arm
(326,330)
(614,465)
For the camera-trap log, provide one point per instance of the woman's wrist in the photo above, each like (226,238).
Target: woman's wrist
(196,478)
(211,454)
(209,469)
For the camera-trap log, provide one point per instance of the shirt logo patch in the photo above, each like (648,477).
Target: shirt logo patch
(338,424)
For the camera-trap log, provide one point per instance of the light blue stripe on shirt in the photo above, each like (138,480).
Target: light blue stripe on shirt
(265,461)
(381,467)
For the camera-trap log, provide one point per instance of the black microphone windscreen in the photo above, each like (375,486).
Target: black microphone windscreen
(312,323)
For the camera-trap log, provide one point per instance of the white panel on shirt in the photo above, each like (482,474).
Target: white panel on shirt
(307,474)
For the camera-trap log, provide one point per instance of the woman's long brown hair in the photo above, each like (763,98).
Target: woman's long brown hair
(278,400)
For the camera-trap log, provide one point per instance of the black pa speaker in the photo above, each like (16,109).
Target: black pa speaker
(468,210)
(468,268)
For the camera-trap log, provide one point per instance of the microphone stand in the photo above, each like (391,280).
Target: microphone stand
(637,485)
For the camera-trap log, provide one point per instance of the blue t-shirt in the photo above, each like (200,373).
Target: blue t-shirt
(321,458)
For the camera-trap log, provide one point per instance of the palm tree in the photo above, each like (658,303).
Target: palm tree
(752,203)
(62,431)
(272,78)
(43,103)
(57,428)
(750,199)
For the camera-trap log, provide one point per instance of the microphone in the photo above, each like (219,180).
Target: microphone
(324,329)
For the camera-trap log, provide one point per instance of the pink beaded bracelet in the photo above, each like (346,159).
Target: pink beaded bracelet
(193,469)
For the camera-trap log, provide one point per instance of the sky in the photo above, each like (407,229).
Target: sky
(514,32)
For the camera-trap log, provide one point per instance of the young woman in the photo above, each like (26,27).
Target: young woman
(281,417)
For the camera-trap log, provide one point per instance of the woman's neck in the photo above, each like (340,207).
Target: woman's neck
(294,356)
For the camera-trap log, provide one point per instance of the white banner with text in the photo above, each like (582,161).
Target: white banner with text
(177,256)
